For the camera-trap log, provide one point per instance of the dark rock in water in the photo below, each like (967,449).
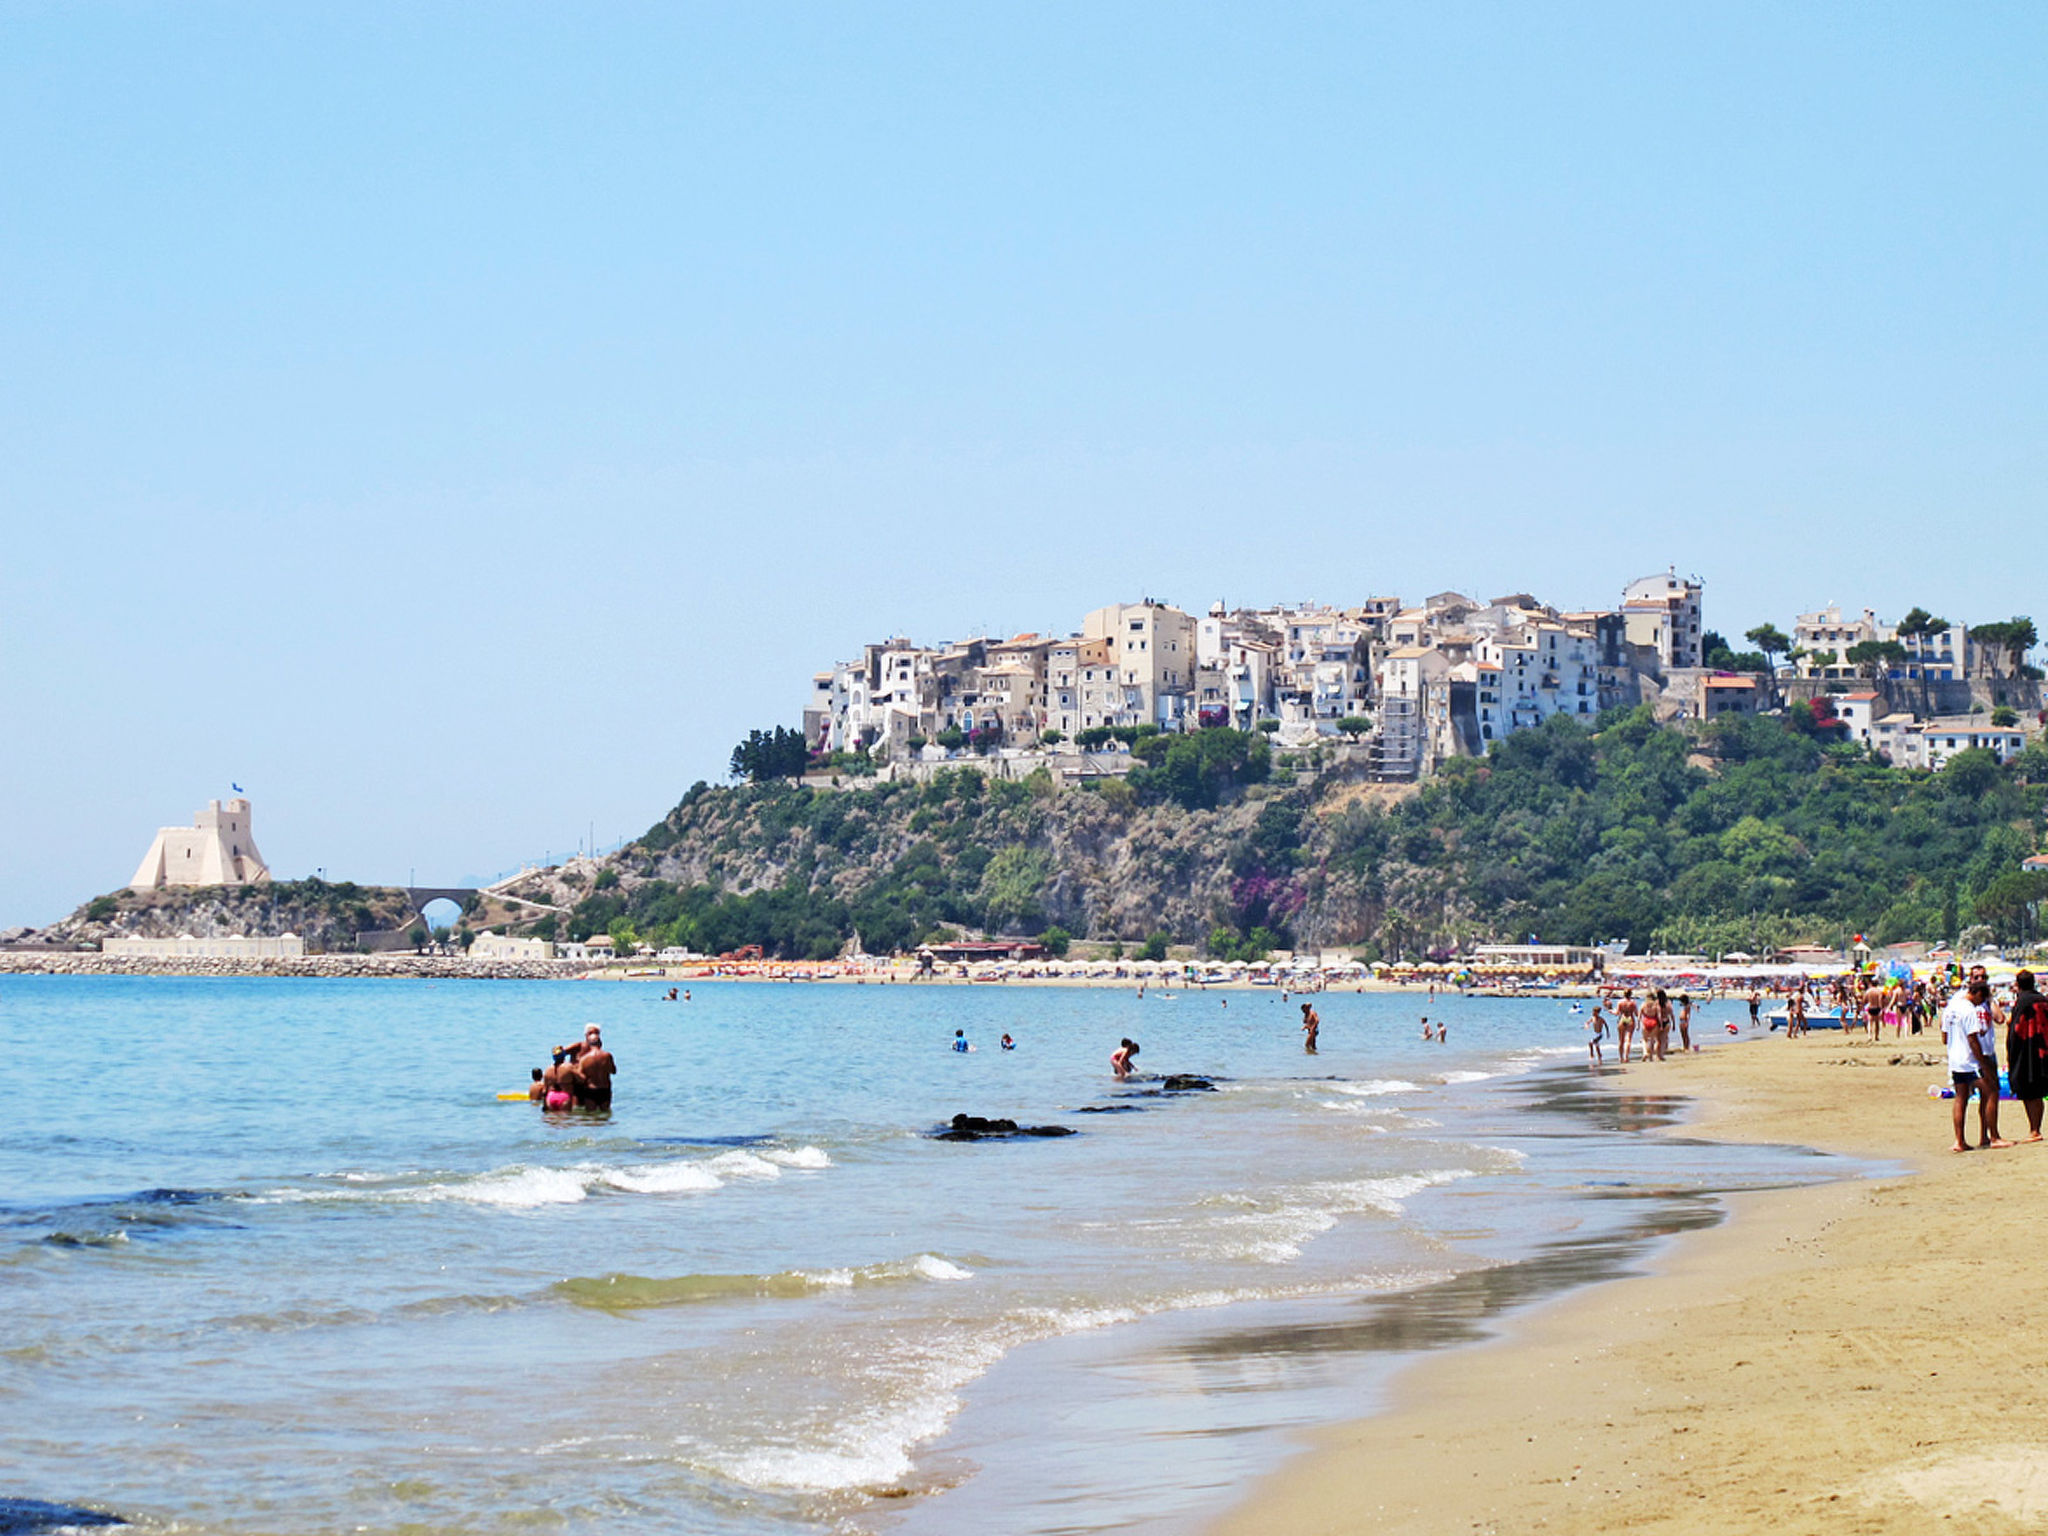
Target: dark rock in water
(975,1128)
(983,1127)
(1109,1109)
(25,1517)
(1179,1084)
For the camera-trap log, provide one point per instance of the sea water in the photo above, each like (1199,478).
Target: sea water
(276,1257)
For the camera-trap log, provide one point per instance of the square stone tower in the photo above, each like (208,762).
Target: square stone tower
(219,848)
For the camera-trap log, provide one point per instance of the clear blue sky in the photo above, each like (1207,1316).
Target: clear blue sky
(458,424)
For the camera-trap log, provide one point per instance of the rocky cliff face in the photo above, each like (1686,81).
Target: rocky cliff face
(327,916)
(1001,858)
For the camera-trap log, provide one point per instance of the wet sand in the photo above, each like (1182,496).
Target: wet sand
(1861,1356)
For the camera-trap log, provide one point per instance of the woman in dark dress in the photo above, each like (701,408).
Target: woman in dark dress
(2026,1050)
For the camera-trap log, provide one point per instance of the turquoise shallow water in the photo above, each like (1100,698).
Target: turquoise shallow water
(277,1260)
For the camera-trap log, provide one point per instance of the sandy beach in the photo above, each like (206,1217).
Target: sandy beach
(1859,1356)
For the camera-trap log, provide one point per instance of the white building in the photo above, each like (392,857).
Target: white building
(1941,740)
(233,946)
(1663,614)
(217,849)
(492,945)
(1827,635)
(1545,669)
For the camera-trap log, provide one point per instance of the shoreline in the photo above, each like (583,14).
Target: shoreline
(459,968)
(1797,1365)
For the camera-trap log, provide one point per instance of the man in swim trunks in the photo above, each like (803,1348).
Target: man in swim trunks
(1311,1026)
(596,1067)
(1598,1025)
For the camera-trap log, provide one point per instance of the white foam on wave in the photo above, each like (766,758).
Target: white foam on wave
(528,1188)
(932,1267)
(1453,1078)
(744,1165)
(1376,1087)
(520,1188)
(872,1448)
(1274,1228)
(800,1157)
(663,1179)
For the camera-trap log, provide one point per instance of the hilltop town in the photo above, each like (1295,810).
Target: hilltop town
(1404,689)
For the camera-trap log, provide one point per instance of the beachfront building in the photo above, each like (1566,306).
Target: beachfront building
(1528,956)
(219,848)
(233,946)
(492,945)
(1662,613)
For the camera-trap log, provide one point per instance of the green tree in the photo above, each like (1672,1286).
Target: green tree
(1154,948)
(1971,774)
(776,754)
(1354,726)
(2009,641)
(2005,715)
(1010,888)
(1056,941)
(1772,641)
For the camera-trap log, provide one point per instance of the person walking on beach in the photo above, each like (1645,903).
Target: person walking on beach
(1598,1025)
(1755,1002)
(1655,1021)
(1685,1023)
(1311,1026)
(1624,1025)
(1964,1024)
(2026,1050)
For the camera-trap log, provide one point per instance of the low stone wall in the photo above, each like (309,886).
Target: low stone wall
(439,967)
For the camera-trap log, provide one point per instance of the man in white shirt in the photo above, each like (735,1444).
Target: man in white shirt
(1965,1026)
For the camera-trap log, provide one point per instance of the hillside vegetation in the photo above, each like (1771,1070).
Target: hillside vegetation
(1737,835)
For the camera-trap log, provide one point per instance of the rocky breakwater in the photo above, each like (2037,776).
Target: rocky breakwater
(51,962)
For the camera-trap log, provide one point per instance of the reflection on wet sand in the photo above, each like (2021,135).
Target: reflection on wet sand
(1456,1311)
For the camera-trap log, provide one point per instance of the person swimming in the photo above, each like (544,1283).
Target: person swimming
(960,1040)
(1009,1044)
